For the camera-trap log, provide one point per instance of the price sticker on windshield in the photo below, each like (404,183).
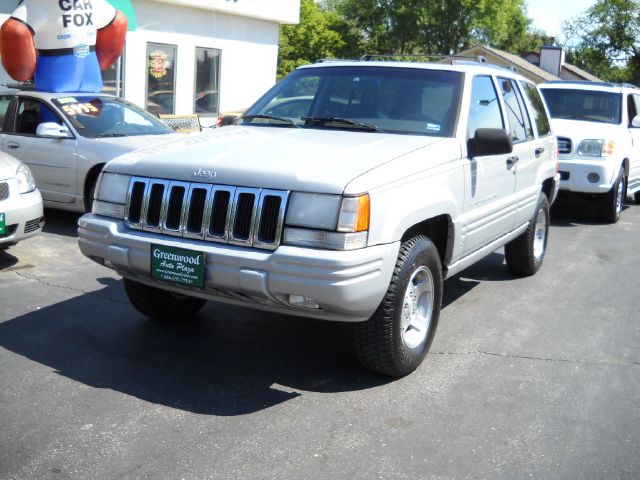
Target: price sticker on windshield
(79,108)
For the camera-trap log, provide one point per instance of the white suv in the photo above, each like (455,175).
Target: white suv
(598,129)
(348,192)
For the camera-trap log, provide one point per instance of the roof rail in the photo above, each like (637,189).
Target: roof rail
(329,60)
(589,82)
(19,85)
(473,58)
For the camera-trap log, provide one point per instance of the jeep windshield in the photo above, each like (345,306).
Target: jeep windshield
(400,100)
(100,116)
(585,105)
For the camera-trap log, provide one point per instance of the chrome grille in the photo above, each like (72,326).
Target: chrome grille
(564,145)
(216,213)
(4,191)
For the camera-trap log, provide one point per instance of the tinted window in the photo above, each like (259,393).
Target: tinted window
(537,109)
(485,108)
(519,123)
(5,100)
(586,105)
(32,113)
(395,100)
(633,102)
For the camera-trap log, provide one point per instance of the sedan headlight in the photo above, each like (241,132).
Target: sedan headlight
(330,221)
(596,148)
(111,194)
(26,182)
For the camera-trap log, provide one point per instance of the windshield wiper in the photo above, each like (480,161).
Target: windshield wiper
(105,135)
(286,120)
(344,121)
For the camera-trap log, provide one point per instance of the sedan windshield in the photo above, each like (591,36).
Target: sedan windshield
(367,99)
(586,105)
(102,116)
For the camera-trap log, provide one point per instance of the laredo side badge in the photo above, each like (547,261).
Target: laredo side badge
(62,44)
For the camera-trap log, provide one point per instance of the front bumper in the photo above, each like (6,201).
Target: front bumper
(348,286)
(575,173)
(23,215)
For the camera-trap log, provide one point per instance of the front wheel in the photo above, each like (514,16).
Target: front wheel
(161,304)
(609,205)
(395,340)
(525,253)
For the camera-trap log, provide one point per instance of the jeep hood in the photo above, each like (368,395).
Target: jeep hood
(322,161)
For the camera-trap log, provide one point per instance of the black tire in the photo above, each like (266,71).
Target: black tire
(636,198)
(382,343)
(525,253)
(609,206)
(161,304)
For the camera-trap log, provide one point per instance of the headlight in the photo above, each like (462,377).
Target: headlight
(596,148)
(332,221)
(111,194)
(26,182)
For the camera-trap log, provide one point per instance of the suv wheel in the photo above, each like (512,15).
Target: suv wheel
(610,204)
(395,340)
(525,254)
(160,304)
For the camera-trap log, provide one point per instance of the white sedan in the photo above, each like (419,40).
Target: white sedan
(20,202)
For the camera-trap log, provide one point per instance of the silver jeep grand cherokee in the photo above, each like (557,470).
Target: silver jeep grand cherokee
(348,192)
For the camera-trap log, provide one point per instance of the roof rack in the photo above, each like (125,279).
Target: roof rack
(19,85)
(589,82)
(454,57)
(329,60)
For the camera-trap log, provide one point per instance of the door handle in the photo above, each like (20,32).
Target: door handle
(511,161)
(13,145)
(539,151)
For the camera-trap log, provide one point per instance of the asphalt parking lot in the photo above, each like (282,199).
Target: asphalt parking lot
(527,378)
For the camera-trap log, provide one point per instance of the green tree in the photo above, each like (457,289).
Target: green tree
(309,40)
(606,40)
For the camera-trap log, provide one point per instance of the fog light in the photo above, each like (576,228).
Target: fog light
(593,177)
(301,301)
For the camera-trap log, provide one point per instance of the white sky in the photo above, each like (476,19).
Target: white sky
(548,15)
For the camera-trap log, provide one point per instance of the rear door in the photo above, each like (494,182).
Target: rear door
(5,102)
(490,181)
(52,160)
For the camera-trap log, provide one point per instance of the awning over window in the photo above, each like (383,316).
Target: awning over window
(125,7)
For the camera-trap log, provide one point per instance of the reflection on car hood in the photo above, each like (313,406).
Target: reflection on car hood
(322,161)
(8,166)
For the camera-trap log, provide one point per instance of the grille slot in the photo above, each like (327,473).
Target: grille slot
(564,145)
(32,225)
(4,190)
(217,213)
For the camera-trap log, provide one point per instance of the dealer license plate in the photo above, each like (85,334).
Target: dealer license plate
(177,265)
(3,226)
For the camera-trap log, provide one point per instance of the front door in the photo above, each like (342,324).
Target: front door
(489,209)
(52,160)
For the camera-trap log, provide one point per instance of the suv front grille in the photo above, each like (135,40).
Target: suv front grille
(216,213)
(564,145)
(4,191)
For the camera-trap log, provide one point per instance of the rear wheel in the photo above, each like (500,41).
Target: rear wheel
(636,197)
(161,304)
(525,253)
(609,205)
(395,340)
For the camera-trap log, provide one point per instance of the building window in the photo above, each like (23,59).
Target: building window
(207,98)
(161,78)
(113,78)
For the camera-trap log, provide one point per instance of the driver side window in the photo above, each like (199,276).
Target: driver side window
(32,113)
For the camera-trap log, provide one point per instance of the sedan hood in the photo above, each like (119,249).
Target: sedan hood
(322,161)
(8,166)
(111,147)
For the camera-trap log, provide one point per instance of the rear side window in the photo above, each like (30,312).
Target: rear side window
(540,117)
(519,123)
(485,108)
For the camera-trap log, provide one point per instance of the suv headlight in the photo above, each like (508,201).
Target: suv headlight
(111,194)
(596,148)
(26,182)
(332,222)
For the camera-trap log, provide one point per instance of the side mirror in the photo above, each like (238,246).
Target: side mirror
(635,123)
(490,141)
(53,130)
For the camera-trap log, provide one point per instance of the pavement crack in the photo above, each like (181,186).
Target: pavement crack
(541,359)
(71,289)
